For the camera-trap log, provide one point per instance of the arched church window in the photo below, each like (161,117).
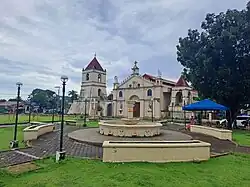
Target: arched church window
(149,93)
(120,94)
(87,77)
(178,99)
(99,92)
(99,77)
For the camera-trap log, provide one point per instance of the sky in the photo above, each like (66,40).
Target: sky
(40,40)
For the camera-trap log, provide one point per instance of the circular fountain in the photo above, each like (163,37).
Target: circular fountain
(126,129)
(129,127)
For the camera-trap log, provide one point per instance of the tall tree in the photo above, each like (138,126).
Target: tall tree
(43,98)
(217,60)
(73,95)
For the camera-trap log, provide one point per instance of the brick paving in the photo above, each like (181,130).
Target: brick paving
(47,145)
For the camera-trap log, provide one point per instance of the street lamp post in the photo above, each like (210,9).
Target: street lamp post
(172,112)
(58,101)
(185,123)
(30,107)
(14,142)
(85,112)
(60,155)
(152,109)
(53,108)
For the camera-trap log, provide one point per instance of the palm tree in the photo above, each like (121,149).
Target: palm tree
(73,95)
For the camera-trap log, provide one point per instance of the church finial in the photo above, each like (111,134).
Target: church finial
(159,73)
(135,69)
(95,55)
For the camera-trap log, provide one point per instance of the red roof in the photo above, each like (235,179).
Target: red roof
(94,64)
(181,82)
(150,77)
(153,78)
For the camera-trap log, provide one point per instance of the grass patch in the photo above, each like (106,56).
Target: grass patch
(92,124)
(7,134)
(232,170)
(22,168)
(242,137)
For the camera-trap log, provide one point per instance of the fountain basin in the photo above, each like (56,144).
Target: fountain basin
(130,121)
(120,129)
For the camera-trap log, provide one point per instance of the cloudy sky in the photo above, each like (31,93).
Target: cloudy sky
(42,39)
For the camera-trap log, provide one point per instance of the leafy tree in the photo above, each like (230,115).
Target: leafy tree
(217,60)
(73,95)
(43,98)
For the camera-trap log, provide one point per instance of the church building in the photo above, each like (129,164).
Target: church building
(153,96)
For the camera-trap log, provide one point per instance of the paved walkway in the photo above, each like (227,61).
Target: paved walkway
(48,144)
(217,146)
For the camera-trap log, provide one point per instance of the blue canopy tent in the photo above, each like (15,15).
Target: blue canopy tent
(204,105)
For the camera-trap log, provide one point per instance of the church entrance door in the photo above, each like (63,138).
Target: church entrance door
(136,110)
(109,110)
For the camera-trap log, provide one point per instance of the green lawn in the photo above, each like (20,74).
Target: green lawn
(25,118)
(232,170)
(242,137)
(6,135)
(92,124)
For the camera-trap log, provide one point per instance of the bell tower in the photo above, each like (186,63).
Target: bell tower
(93,81)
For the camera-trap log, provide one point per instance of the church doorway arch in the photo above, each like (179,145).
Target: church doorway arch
(109,110)
(136,107)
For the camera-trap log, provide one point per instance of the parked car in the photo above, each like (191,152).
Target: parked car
(241,121)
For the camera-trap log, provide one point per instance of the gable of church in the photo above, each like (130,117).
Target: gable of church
(135,82)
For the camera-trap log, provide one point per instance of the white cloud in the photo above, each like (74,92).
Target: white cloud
(41,40)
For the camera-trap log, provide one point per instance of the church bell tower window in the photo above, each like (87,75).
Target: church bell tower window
(87,77)
(99,92)
(99,77)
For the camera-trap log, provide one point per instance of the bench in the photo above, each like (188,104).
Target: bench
(155,151)
(34,131)
(222,134)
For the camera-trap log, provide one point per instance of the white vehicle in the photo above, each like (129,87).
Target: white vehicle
(241,121)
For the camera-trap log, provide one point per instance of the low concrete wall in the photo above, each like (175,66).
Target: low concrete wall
(222,134)
(70,122)
(140,130)
(34,131)
(155,151)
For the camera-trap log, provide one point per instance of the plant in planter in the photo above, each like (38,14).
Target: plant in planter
(99,108)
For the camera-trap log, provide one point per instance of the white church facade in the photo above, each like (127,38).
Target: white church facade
(153,96)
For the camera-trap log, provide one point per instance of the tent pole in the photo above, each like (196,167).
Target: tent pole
(185,117)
